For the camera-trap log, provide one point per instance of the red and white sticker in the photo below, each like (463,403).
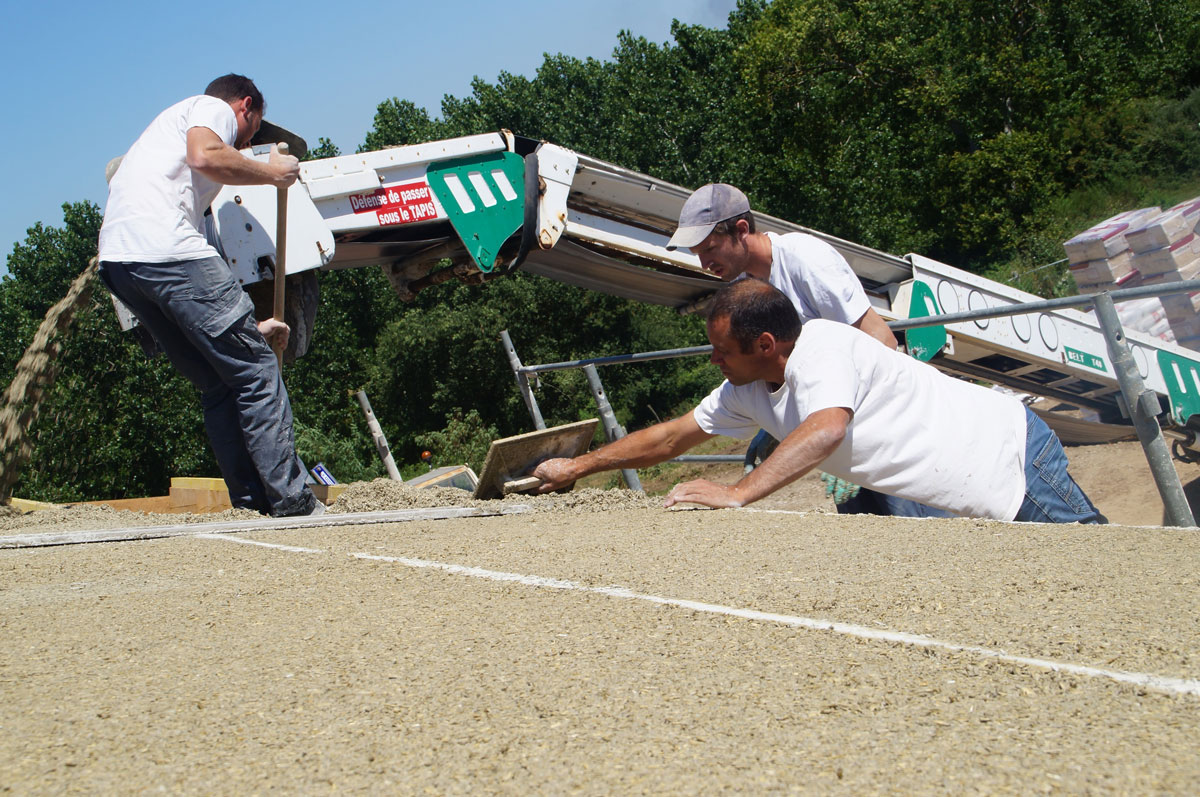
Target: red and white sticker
(399,204)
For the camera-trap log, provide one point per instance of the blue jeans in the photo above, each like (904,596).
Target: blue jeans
(870,502)
(204,322)
(1051,495)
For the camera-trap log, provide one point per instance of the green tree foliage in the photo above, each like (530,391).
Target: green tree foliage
(324,149)
(399,122)
(464,441)
(950,127)
(443,355)
(356,305)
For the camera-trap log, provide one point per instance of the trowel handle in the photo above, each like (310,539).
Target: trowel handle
(521,485)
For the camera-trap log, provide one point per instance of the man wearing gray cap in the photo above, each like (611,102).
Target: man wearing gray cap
(717,226)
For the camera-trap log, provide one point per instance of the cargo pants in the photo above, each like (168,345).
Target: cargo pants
(204,322)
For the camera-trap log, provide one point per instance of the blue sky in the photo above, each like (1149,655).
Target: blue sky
(81,80)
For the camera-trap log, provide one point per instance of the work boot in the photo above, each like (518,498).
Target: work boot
(306,504)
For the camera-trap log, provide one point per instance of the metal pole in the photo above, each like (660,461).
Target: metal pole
(1143,407)
(618,359)
(522,381)
(381,443)
(612,429)
(1123,295)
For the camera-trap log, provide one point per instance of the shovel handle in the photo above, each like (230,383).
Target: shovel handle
(280,253)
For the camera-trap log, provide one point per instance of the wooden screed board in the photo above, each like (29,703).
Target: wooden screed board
(511,458)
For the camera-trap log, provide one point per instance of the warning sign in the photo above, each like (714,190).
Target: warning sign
(399,204)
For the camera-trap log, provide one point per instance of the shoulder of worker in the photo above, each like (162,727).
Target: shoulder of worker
(823,333)
(205,111)
(200,103)
(801,258)
(804,246)
(822,338)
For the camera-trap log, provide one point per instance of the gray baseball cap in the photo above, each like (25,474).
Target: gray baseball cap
(704,209)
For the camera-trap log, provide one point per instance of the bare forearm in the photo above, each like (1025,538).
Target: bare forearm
(798,453)
(874,325)
(791,459)
(212,157)
(639,450)
(228,166)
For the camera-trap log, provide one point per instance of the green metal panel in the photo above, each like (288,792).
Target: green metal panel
(1182,376)
(925,342)
(484,196)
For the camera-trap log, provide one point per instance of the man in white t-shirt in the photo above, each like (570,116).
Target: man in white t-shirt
(155,258)
(861,411)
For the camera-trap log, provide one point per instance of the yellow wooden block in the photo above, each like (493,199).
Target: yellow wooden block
(157,504)
(327,493)
(197,483)
(199,501)
(29,505)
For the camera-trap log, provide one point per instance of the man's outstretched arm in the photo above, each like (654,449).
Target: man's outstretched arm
(798,453)
(641,449)
(221,163)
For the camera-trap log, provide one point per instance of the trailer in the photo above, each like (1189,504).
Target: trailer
(479,207)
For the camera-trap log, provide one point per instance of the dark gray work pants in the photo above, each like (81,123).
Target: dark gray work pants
(204,322)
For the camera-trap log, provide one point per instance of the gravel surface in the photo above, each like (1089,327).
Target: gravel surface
(348,660)
(383,494)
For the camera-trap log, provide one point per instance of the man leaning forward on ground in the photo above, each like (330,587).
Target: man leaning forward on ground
(861,411)
(156,259)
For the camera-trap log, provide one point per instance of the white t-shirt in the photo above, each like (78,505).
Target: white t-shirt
(156,202)
(816,278)
(915,432)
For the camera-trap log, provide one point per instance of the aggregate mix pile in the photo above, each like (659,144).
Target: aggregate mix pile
(372,496)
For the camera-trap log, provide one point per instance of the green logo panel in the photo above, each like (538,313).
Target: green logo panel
(1183,385)
(484,196)
(925,342)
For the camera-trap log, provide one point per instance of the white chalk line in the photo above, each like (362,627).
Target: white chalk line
(244,541)
(1159,683)
(1180,686)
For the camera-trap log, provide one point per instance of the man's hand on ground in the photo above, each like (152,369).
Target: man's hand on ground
(287,167)
(555,474)
(702,491)
(276,333)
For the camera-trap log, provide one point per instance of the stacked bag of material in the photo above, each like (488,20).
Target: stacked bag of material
(1149,246)
(1146,315)
(1100,256)
(1167,249)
